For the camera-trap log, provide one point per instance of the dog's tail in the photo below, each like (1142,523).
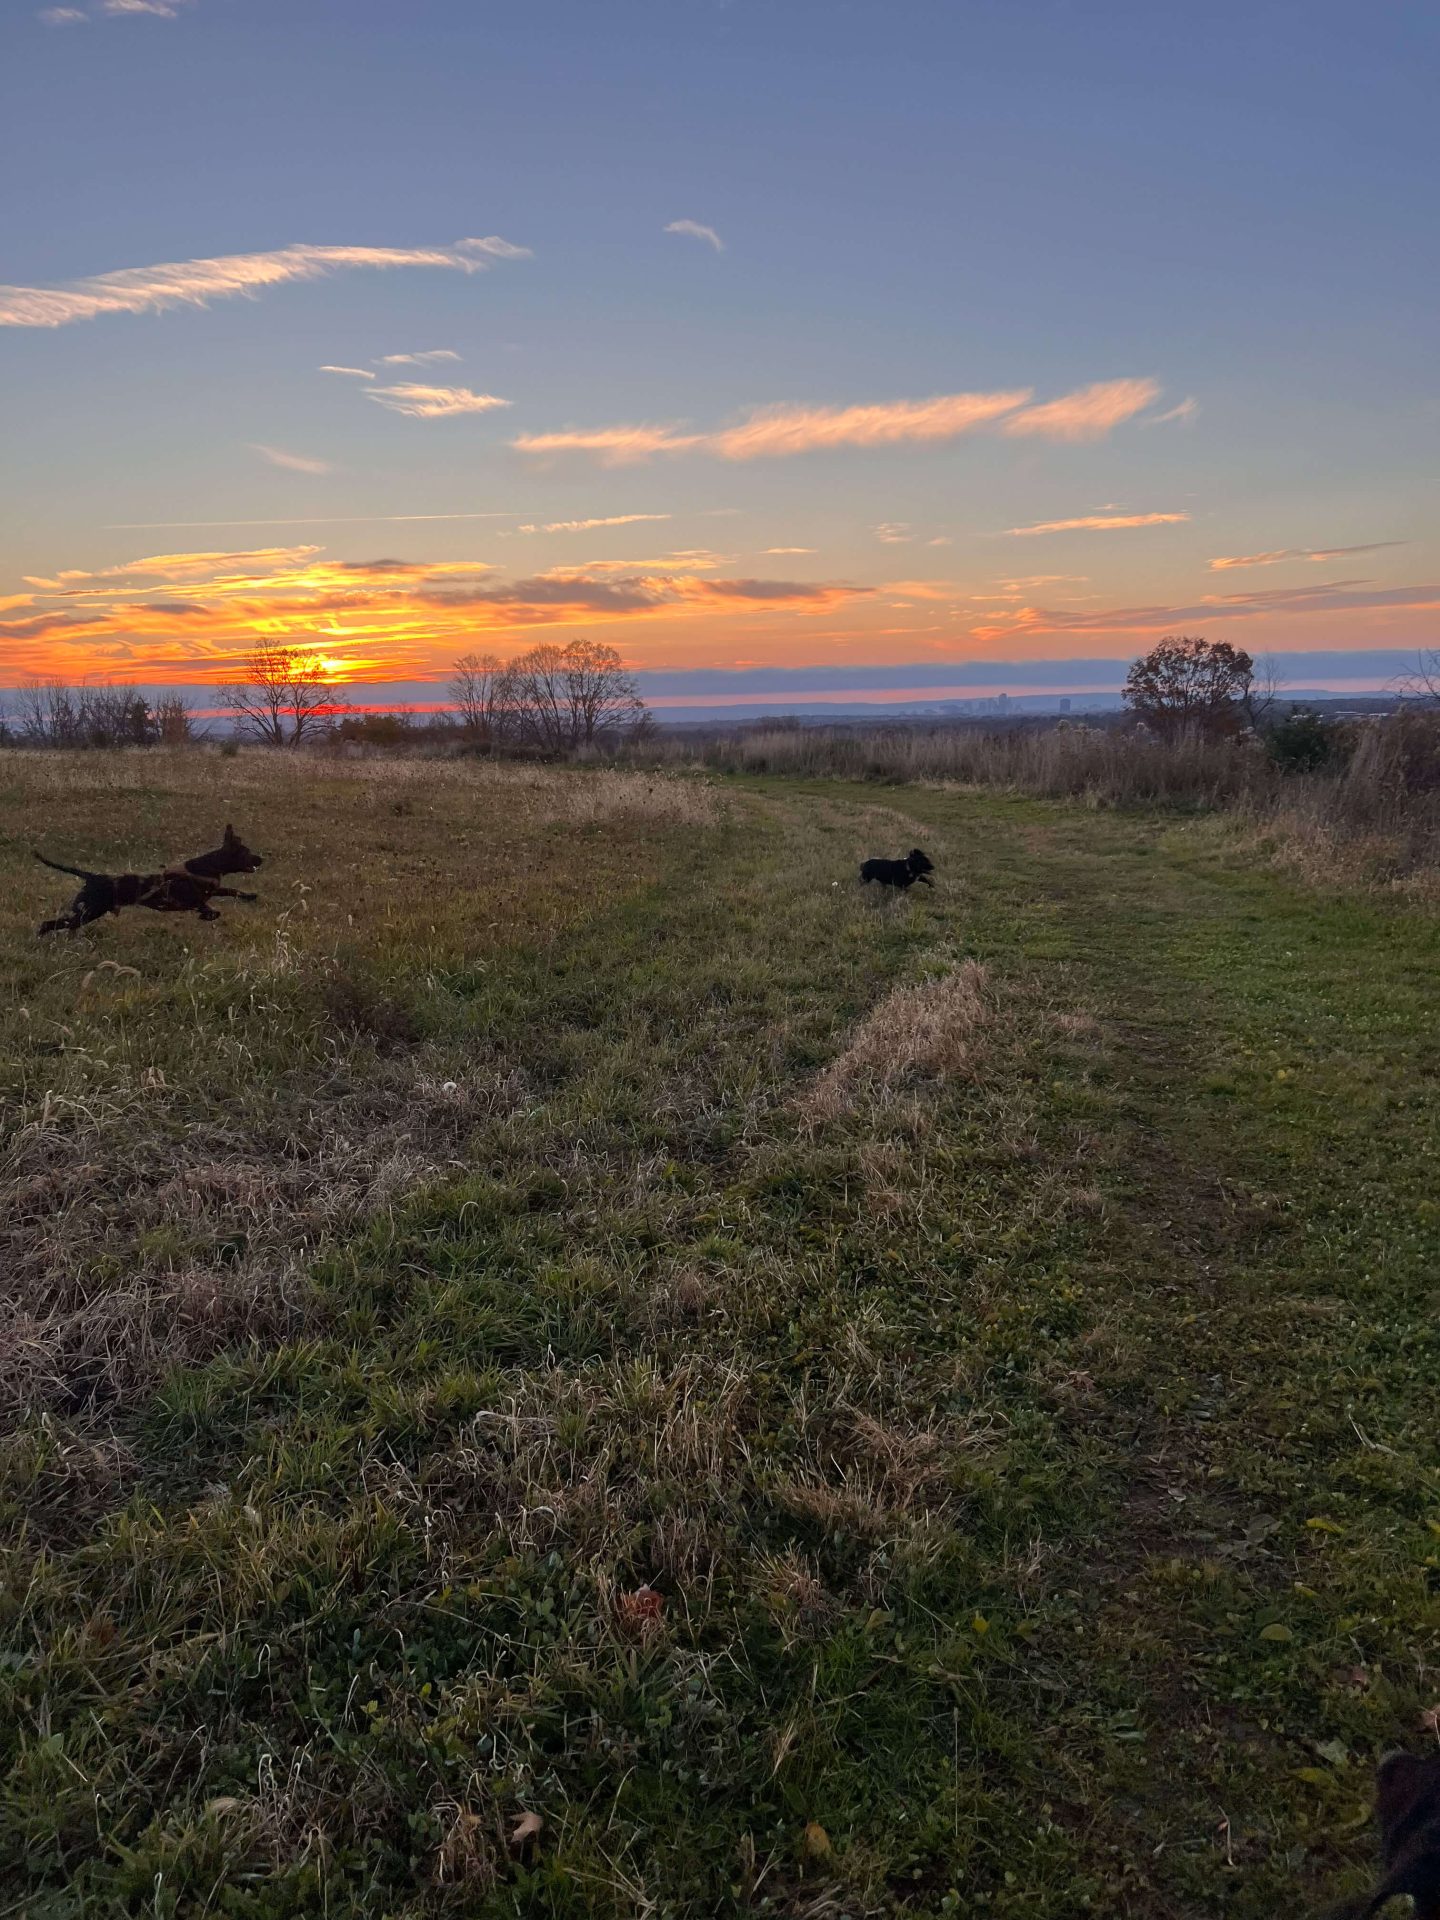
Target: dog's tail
(80,873)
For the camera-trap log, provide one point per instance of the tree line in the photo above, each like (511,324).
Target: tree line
(560,700)
(550,699)
(47,713)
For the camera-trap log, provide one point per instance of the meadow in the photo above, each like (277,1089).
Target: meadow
(572,1361)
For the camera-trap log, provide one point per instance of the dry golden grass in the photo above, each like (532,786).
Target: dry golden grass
(190,1113)
(930,1030)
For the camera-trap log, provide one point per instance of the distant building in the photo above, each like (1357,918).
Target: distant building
(1065,704)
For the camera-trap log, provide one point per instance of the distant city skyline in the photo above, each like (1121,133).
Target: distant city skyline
(850,346)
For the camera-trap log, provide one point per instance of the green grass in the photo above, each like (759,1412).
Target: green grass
(997,1481)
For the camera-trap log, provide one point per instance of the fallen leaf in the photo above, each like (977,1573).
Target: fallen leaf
(640,1613)
(815,1841)
(1275,1631)
(527,1828)
(1317,1523)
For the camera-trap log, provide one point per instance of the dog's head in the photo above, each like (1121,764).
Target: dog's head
(919,862)
(237,854)
(231,856)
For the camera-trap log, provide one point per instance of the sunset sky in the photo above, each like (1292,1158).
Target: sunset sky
(910,343)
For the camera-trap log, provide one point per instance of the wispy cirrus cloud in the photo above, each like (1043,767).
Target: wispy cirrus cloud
(432,357)
(893,533)
(774,550)
(1099,523)
(584,526)
(1087,414)
(195,283)
(612,446)
(304,520)
(434,403)
(1183,414)
(1225,561)
(357,373)
(781,431)
(73,16)
(697,231)
(1334,597)
(291,462)
(255,561)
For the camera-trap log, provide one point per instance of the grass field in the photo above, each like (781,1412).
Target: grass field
(571,1361)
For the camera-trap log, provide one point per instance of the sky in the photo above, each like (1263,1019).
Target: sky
(797,344)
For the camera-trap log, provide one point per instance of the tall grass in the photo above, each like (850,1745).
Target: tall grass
(1374,809)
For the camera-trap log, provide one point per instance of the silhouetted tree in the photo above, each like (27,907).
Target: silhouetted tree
(283,699)
(478,690)
(1424,683)
(1186,684)
(566,698)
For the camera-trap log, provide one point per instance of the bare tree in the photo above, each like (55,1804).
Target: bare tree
(1187,684)
(281,685)
(571,697)
(1264,691)
(114,716)
(31,714)
(478,690)
(51,714)
(1423,685)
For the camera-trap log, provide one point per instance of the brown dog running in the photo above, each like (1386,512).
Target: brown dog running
(185,889)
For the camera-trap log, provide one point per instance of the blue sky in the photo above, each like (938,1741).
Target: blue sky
(1228,210)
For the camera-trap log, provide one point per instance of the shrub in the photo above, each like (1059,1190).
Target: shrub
(1303,742)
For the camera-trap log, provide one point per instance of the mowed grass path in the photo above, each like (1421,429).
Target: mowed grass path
(990,1473)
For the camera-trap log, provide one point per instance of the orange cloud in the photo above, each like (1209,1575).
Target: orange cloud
(1298,553)
(613,446)
(1345,598)
(373,617)
(584,526)
(780,431)
(1087,414)
(433,403)
(1100,523)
